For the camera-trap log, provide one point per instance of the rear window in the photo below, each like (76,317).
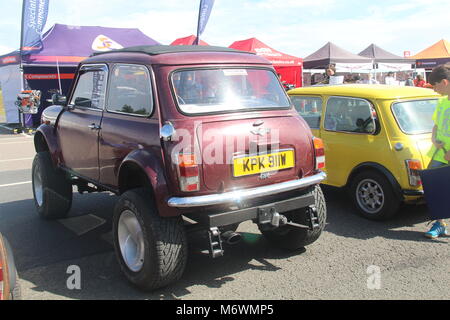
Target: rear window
(415,117)
(222,90)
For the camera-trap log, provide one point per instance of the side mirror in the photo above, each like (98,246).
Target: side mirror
(59,100)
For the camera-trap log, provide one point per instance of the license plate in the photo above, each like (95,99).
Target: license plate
(250,165)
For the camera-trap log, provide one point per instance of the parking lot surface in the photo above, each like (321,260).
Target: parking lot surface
(353,259)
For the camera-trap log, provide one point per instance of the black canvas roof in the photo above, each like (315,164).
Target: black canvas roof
(381,55)
(331,53)
(163,49)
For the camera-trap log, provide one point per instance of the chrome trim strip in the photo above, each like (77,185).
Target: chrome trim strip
(413,192)
(239,195)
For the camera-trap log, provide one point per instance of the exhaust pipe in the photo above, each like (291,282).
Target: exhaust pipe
(231,237)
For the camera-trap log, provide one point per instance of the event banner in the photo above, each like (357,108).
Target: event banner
(34,17)
(203,16)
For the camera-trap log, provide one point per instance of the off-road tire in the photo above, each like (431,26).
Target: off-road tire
(165,242)
(391,201)
(293,238)
(56,198)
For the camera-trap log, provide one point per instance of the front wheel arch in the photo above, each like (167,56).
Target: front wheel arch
(40,144)
(45,140)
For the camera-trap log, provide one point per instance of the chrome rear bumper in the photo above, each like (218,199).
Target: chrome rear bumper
(239,195)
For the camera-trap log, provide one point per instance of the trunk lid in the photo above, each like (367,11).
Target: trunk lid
(243,153)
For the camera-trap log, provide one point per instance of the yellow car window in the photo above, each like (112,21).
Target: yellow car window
(310,108)
(349,115)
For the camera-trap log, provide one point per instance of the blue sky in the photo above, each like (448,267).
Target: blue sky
(296,27)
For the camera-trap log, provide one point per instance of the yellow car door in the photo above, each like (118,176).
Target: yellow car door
(349,132)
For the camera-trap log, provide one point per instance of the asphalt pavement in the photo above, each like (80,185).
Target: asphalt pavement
(353,259)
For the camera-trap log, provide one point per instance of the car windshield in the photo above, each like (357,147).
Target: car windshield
(219,90)
(415,117)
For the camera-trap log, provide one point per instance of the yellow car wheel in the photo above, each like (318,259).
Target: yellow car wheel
(374,196)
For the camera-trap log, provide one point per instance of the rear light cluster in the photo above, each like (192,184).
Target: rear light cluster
(413,167)
(188,173)
(319,151)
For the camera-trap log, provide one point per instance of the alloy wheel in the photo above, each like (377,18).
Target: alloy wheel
(131,241)
(37,185)
(370,196)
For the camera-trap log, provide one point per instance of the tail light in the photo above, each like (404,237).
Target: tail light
(413,167)
(188,173)
(319,152)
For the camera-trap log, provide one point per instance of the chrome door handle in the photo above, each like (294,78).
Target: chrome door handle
(94,127)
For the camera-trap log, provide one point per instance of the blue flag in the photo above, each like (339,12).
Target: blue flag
(34,17)
(203,16)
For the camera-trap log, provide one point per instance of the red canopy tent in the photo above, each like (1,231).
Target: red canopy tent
(289,67)
(187,41)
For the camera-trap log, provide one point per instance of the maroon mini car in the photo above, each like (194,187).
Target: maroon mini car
(191,138)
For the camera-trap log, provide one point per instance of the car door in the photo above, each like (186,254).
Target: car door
(349,132)
(129,122)
(80,124)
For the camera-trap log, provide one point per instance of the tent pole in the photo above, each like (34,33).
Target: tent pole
(22,75)
(59,76)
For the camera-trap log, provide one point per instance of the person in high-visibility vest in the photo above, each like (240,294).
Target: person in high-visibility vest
(440,151)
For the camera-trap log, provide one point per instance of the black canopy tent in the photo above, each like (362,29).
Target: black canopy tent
(385,60)
(343,59)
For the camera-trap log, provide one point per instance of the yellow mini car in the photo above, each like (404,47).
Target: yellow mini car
(376,139)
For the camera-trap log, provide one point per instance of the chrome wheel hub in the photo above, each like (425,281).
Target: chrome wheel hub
(131,241)
(37,185)
(370,196)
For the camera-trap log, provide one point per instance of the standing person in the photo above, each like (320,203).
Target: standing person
(329,72)
(409,82)
(390,79)
(371,79)
(440,151)
(419,81)
(357,79)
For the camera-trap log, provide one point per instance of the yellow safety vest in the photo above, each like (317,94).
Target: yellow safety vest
(441,118)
